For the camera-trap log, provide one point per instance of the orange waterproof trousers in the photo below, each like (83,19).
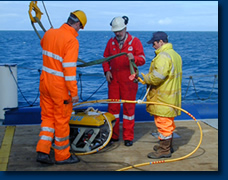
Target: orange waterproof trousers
(55,121)
(57,84)
(165,126)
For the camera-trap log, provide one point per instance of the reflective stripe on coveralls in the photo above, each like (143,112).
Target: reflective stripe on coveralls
(128,117)
(142,57)
(52,55)
(58,73)
(125,116)
(61,140)
(48,129)
(116,115)
(61,147)
(47,138)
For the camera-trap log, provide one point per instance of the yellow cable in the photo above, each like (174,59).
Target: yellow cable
(141,102)
(169,160)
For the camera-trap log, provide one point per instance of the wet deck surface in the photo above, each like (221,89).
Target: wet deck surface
(23,151)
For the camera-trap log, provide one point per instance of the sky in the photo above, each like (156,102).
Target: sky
(143,15)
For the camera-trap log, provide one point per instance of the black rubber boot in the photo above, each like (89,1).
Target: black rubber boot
(44,158)
(112,141)
(72,159)
(128,143)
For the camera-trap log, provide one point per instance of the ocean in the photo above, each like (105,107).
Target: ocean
(199,52)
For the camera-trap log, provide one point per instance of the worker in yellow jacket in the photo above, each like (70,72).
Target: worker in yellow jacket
(58,89)
(164,79)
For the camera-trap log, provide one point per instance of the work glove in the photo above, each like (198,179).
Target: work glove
(140,79)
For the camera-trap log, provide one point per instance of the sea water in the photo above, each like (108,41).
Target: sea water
(199,52)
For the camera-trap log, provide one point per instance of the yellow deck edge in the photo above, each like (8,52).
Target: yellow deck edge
(6,147)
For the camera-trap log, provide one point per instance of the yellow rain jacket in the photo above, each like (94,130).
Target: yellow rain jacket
(165,77)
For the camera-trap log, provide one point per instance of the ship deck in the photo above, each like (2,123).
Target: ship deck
(18,150)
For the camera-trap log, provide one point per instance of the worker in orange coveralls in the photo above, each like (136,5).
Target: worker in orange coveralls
(117,72)
(58,89)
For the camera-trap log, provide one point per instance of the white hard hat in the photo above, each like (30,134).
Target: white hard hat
(118,24)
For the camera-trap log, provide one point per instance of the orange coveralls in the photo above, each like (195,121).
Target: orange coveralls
(57,84)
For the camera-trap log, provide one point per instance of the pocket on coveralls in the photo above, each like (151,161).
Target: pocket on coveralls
(67,109)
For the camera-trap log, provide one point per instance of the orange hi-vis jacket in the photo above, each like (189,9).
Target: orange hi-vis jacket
(57,84)
(60,57)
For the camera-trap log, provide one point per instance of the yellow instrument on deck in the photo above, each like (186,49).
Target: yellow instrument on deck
(90,130)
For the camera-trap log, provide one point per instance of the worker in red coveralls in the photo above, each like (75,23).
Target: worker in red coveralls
(117,72)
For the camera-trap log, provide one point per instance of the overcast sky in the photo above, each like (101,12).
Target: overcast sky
(143,15)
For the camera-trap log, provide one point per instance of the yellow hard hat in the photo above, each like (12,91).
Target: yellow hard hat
(81,16)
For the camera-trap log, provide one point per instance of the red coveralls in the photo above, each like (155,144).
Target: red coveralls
(57,84)
(121,87)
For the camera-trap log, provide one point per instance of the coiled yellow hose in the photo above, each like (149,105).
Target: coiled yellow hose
(142,102)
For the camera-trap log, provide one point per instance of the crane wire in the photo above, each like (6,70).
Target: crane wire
(47,14)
